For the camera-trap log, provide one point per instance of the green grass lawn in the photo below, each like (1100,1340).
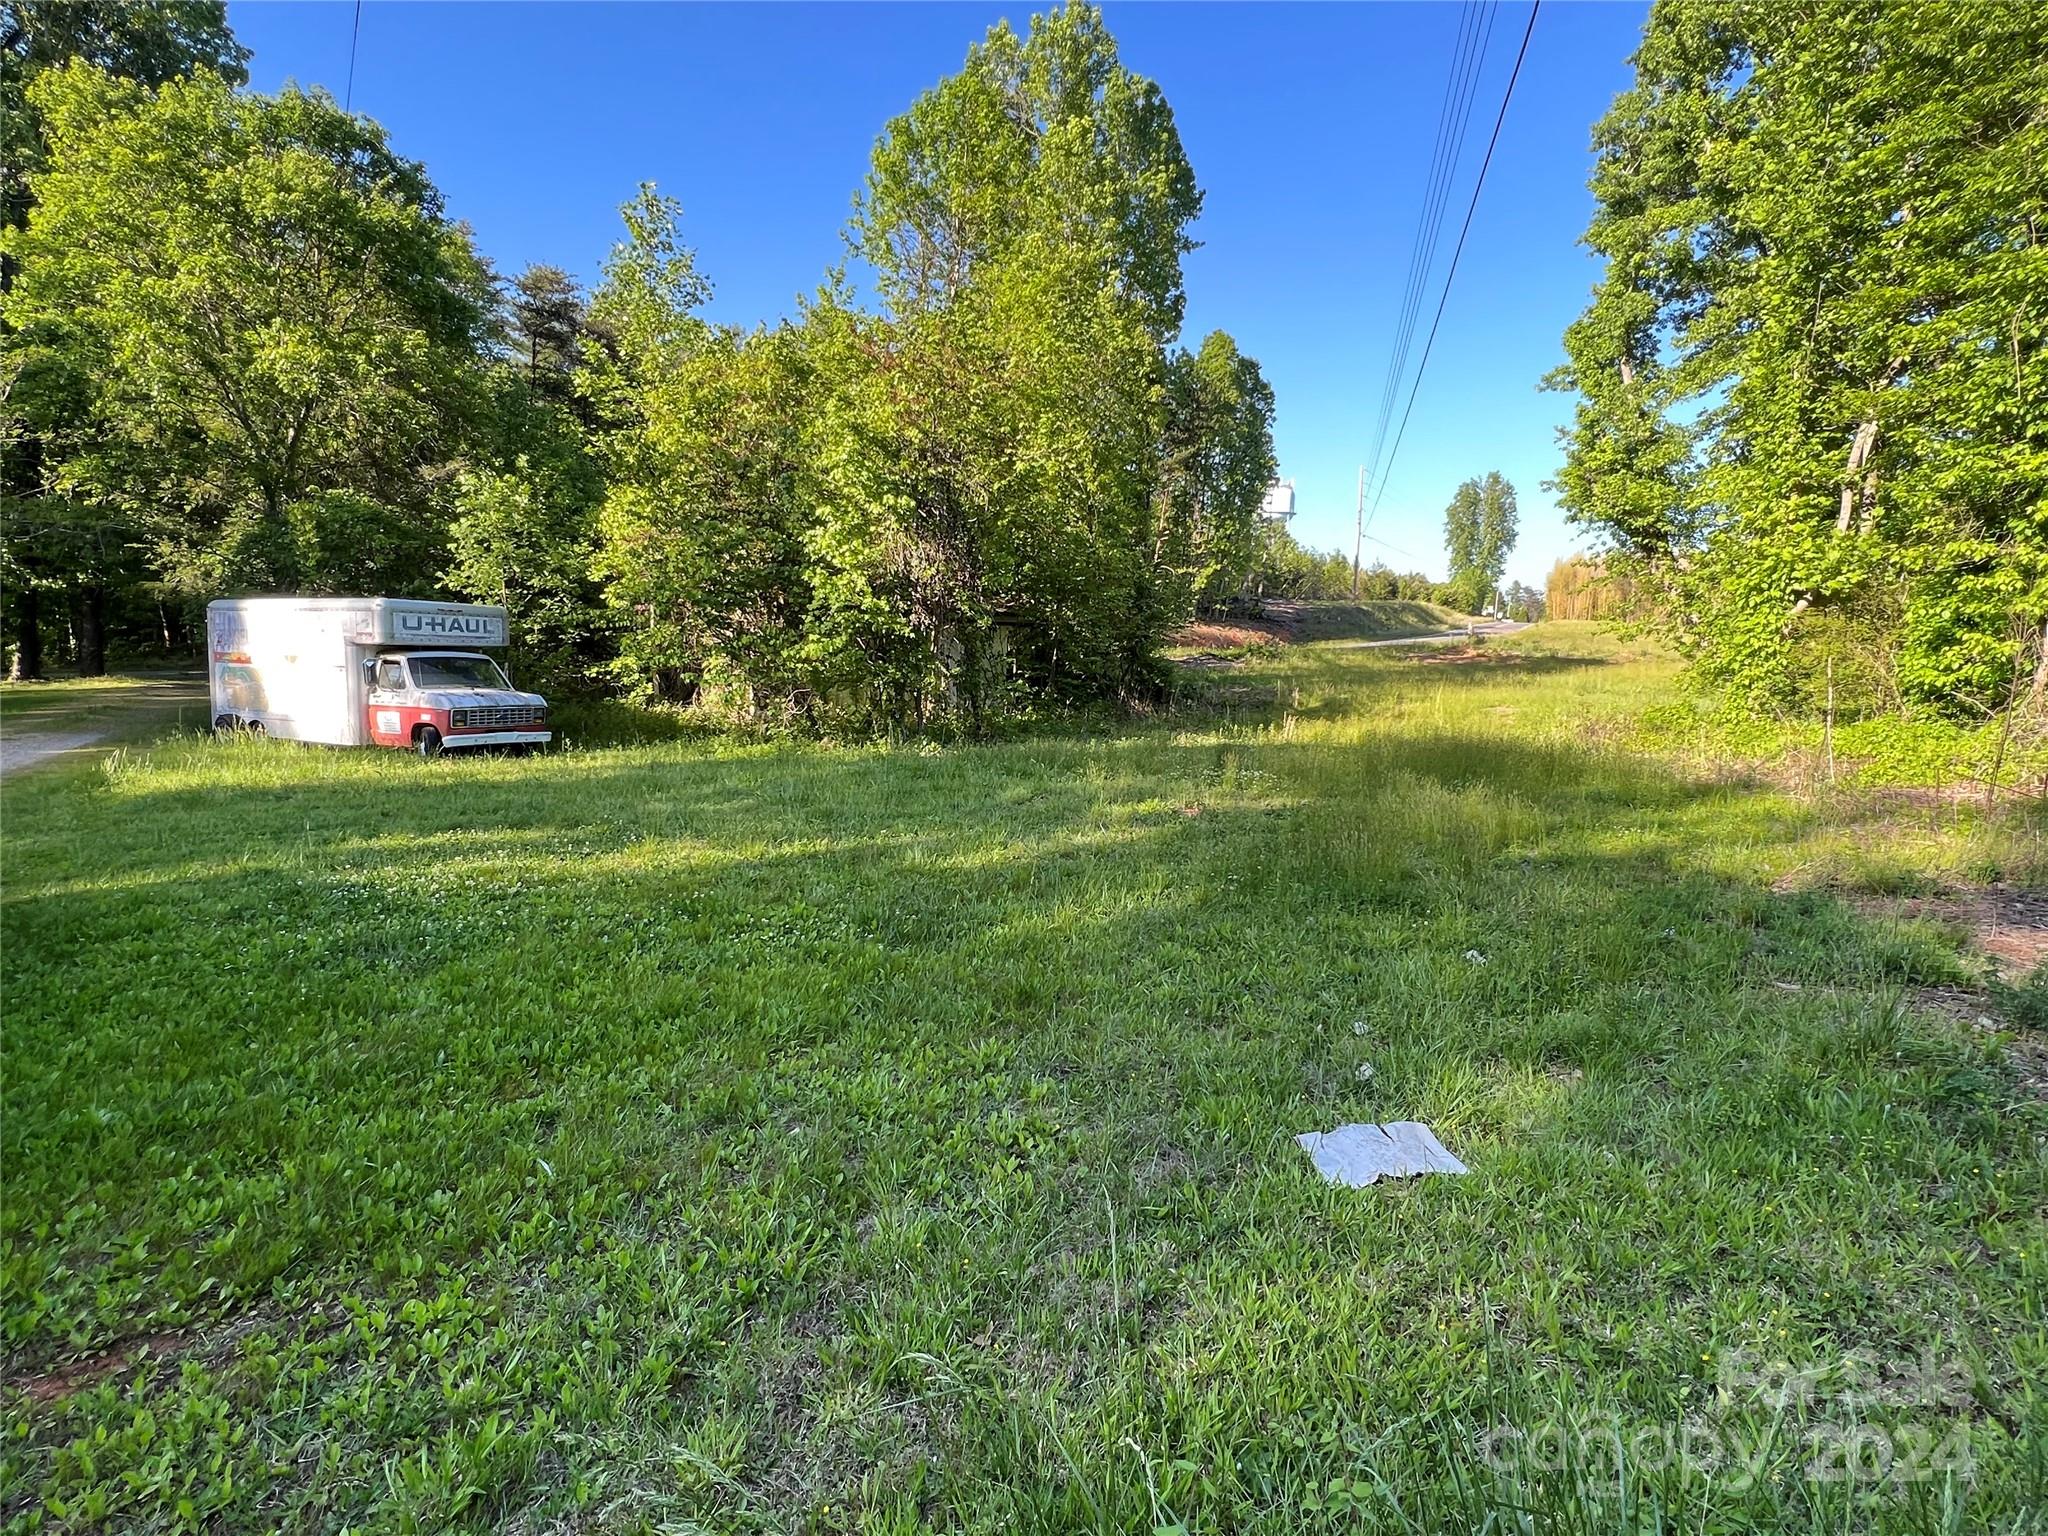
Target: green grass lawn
(699,1135)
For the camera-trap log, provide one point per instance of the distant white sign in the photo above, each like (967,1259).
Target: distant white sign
(1278,504)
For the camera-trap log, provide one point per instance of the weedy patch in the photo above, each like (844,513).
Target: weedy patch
(758,1137)
(2006,924)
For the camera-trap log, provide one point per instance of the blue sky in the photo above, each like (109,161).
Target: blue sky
(1309,127)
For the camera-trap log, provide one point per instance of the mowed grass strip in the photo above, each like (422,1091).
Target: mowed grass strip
(744,1137)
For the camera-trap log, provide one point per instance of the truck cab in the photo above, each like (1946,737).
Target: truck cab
(435,701)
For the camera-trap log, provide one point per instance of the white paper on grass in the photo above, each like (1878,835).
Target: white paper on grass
(1364,1154)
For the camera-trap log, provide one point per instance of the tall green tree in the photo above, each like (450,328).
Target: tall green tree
(1026,219)
(274,327)
(1005,478)
(147,41)
(50,542)
(524,532)
(1811,378)
(1480,526)
(527,498)
(703,541)
(1044,135)
(1217,462)
(548,329)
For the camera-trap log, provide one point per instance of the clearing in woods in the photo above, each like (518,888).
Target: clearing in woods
(793,1138)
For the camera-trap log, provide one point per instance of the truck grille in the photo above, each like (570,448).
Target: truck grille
(497,719)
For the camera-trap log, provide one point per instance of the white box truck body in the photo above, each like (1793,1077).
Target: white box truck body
(367,671)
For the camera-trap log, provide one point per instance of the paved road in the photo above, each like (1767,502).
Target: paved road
(1495,627)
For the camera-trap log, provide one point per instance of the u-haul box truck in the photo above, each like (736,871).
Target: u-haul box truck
(367,671)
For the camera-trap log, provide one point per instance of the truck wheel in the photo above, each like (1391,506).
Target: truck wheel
(428,741)
(224,725)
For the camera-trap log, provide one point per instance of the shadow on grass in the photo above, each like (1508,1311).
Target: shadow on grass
(1016,881)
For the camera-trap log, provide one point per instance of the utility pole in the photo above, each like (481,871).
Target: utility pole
(1358,543)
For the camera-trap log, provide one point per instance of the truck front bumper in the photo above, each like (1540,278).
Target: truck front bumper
(456,739)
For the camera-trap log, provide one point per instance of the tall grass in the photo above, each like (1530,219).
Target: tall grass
(701,1134)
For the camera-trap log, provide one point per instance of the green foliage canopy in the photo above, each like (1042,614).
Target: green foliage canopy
(273,327)
(1008,477)
(1480,526)
(1217,462)
(147,41)
(1811,379)
(50,540)
(249,332)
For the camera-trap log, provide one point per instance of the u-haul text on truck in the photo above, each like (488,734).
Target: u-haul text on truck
(367,671)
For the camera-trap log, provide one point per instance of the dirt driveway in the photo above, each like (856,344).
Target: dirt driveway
(58,721)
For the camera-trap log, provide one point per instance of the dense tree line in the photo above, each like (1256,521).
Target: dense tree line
(248,350)
(1579,588)
(1524,604)
(1284,568)
(1813,377)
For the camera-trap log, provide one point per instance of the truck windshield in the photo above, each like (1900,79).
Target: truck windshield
(456,672)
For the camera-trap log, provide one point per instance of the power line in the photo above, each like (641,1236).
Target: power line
(1453,117)
(1456,252)
(1411,282)
(1432,228)
(1475,63)
(348,96)
(1383,544)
